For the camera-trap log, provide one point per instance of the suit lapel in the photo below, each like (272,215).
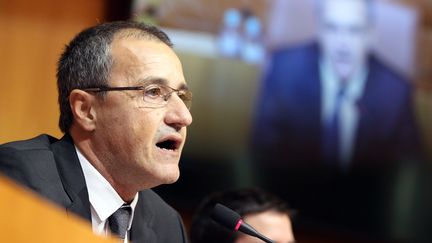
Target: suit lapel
(366,124)
(72,177)
(312,99)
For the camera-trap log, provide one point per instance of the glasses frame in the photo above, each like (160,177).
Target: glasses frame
(187,102)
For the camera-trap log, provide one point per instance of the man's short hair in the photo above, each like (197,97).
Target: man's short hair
(86,62)
(244,201)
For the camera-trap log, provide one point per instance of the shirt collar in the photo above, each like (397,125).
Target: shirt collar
(102,196)
(354,86)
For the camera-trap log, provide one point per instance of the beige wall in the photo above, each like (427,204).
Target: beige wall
(32,36)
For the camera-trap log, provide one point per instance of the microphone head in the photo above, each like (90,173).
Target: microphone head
(233,221)
(225,216)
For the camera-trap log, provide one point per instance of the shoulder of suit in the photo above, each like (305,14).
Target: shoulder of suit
(41,142)
(297,60)
(386,75)
(304,50)
(29,160)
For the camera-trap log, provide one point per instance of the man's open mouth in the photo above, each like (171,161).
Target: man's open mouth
(169,144)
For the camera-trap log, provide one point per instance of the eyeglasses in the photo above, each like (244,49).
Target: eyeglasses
(154,95)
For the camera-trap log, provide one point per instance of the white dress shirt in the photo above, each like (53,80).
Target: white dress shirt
(349,113)
(103,198)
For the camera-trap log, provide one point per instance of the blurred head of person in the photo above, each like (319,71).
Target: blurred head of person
(268,214)
(345,35)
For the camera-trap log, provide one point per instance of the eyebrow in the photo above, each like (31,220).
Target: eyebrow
(161,81)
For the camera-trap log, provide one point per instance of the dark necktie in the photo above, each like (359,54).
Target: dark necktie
(330,139)
(119,220)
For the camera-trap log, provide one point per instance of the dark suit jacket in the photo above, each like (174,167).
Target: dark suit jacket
(288,119)
(51,168)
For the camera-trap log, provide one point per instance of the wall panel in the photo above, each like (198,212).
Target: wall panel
(32,36)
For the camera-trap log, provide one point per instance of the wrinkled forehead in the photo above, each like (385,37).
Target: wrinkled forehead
(342,12)
(139,58)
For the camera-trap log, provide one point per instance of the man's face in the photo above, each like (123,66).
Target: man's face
(274,225)
(344,35)
(140,146)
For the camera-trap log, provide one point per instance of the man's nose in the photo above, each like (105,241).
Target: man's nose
(178,115)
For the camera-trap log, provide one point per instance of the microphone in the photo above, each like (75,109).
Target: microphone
(233,221)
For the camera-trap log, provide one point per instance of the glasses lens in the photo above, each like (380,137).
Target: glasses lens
(186,97)
(158,95)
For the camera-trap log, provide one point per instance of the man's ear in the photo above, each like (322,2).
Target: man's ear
(82,106)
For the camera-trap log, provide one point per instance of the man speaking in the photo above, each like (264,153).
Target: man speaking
(124,109)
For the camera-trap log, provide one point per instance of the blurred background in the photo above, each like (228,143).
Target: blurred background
(225,47)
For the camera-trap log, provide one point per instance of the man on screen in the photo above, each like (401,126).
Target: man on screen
(333,103)
(124,109)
